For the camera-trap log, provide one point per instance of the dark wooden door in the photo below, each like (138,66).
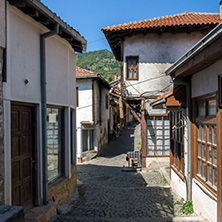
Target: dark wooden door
(22,155)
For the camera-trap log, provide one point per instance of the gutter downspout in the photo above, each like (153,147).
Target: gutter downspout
(43,107)
(188,112)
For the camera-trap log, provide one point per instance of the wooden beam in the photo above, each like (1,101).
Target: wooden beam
(17,3)
(31,12)
(204,59)
(43,20)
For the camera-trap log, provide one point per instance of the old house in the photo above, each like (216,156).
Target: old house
(196,126)
(92,112)
(146,49)
(38,162)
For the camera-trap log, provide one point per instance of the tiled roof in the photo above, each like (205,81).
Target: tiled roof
(183,19)
(80,72)
(184,22)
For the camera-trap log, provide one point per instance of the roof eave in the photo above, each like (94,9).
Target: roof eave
(72,34)
(207,40)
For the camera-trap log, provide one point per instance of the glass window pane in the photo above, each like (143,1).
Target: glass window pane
(129,63)
(150,140)
(210,154)
(159,140)
(91,139)
(158,121)
(54,143)
(204,133)
(159,150)
(212,111)
(134,63)
(159,131)
(199,150)
(215,177)
(85,140)
(215,134)
(201,109)
(204,151)
(204,170)
(166,141)
(215,156)
(210,134)
(199,132)
(166,150)
(199,167)
(210,174)
(166,130)
(150,131)
(150,122)
(134,73)
(166,121)
(150,150)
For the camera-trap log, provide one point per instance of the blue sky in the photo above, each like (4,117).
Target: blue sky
(89,16)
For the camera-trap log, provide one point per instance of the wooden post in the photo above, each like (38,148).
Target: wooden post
(143,134)
(219,166)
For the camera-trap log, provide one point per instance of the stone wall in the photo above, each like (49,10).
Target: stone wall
(61,190)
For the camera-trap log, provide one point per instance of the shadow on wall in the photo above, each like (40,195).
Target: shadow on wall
(120,194)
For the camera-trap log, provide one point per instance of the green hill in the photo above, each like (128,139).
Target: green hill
(101,61)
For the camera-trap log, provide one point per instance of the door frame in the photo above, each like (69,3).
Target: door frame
(34,150)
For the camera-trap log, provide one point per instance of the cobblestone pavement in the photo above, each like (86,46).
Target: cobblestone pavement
(105,193)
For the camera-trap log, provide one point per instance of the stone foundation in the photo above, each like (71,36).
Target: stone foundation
(61,191)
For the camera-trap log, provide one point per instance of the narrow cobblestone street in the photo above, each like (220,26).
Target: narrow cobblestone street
(106,193)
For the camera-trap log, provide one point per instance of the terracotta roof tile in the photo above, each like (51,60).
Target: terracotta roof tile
(183,19)
(84,72)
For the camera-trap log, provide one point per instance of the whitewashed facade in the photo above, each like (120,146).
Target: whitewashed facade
(93,114)
(23,107)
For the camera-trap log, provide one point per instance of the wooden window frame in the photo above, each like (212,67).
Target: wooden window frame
(205,122)
(163,135)
(137,67)
(177,138)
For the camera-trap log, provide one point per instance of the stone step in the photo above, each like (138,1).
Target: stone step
(11,213)
(41,213)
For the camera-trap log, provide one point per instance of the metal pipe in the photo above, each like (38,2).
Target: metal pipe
(188,112)
(43,108)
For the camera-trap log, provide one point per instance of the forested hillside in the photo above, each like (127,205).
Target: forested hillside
(101,61)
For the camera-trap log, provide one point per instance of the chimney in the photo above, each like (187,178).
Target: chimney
(220,9)
(115,76)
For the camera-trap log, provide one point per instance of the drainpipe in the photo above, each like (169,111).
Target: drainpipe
(43,107)
(188,112)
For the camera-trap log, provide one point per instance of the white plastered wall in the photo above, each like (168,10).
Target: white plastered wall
(84,110)
(101,129)
(23,63)
(204,203)
(156,53)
